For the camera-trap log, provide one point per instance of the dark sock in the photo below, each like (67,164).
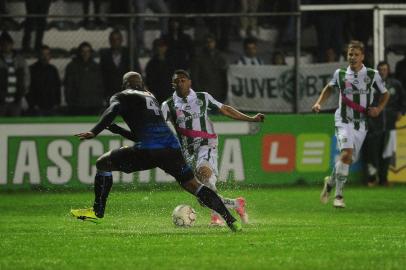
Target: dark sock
(213,201)
(102,185)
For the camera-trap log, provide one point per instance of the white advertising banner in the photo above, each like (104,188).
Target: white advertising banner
(271,88)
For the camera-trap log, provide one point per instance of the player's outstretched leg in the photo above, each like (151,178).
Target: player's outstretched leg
(209,179)
(209,198)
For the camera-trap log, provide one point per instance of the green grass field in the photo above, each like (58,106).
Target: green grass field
(289,229)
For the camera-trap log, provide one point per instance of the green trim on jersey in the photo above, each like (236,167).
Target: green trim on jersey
(201,96)
(341,85)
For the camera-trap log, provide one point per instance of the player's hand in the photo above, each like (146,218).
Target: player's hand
(373,111)
(316,107)
(85,135)
(259,117)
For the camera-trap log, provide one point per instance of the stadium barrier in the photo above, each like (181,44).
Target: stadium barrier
(285,149)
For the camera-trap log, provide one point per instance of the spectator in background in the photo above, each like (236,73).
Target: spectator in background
(37,23)
(330,35)
(380,142)
(278,59)
(400,71)
(114,63)
(249,27)
(83,84)
(96,11)
(157,6)
(209,71)
(180,45)
(44,95)
(159,71)
(14,77)
(250,58)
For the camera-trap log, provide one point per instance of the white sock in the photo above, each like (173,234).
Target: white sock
(342,171)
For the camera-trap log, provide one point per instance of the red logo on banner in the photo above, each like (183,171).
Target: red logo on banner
(278,153)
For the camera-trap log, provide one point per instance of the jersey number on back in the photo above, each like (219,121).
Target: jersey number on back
(152,105)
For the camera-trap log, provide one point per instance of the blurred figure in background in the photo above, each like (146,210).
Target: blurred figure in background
(157,6)
(250,58)
(114,62)
(38,23)
(14,78)
(96,10)
(400,71)
(84,90)
(44,95)
(209,70)
(180,45)
(159,71)
(380,142)
(249,27)
(278,59)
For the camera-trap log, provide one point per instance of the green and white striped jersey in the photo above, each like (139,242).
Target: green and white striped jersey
(189,115)
(358,87)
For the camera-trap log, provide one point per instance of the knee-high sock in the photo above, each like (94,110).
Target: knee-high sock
(211,183)
(342,171)
(102,185)
(213,201)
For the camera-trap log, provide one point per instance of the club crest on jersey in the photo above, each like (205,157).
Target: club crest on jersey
(199,103)
(186,107)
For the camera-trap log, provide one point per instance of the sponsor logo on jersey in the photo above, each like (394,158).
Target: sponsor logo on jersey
(199,102)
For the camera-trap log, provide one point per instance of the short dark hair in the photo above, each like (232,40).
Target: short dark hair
(356,44)
(382,63)
(250,40)
(114,32)
(183,72)
(84,44)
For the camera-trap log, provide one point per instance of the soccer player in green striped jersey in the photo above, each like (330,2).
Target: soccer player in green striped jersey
(356,85)
(188,110)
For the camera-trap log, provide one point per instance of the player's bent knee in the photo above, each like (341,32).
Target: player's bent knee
(204,173)
(103,163)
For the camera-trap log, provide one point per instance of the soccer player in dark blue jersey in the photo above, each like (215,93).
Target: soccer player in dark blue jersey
(155,146)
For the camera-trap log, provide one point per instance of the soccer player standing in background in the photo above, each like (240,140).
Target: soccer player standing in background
(155,146)
(356,85)
(188,112)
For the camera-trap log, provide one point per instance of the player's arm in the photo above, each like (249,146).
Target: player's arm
(106,119)
(233,113)
(116,129)
(324,95)
(383,99)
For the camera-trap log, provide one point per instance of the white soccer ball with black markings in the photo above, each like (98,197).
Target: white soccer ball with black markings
(184,216)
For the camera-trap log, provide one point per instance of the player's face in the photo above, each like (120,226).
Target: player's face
(383,71)
(135,82)
(355,58)
(182,84)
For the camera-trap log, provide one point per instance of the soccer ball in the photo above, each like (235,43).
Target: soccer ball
(183,215)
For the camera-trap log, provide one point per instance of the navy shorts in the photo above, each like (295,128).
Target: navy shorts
(131,159)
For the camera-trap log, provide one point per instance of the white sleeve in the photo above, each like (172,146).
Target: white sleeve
(378,84)
(211,102)
(334,81)
(165,111)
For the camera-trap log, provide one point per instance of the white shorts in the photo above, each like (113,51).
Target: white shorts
(348,137)
(204,156)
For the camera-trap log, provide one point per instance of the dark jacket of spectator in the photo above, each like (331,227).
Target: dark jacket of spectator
(113,73)
(180,46)
(209,74)
(400,71)
(84,87)
(45,87)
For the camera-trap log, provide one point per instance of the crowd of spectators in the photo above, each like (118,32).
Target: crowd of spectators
(88,84)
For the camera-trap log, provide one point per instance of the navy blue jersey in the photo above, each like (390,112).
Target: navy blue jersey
(141,112)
